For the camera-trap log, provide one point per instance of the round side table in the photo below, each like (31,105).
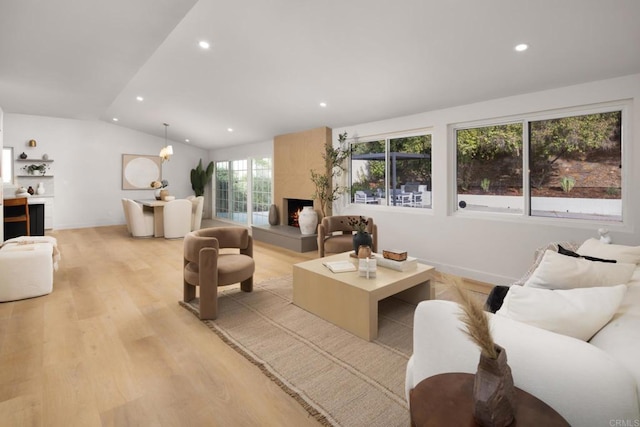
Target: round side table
(447,399)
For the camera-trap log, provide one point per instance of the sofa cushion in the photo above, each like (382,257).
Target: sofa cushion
(567,252)
(558,271)
(578,313)
(621,253)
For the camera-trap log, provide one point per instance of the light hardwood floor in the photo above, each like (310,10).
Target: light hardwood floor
(112,347)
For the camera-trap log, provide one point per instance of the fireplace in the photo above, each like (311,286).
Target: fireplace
(293,207)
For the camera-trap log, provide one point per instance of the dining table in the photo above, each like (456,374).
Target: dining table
(157,206)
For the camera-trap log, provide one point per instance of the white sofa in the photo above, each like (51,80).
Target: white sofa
(26,266)
(590,383)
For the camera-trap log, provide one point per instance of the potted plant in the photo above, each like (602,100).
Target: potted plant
(326,192)
(200,177)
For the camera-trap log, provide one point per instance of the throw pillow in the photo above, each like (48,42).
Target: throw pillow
(621,253)
(578,313)
(567,252)
(558,271)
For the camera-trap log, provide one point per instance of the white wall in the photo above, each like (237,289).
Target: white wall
(491,247)
(88,165)
(239,152)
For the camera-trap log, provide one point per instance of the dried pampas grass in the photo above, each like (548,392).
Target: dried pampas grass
(475,321)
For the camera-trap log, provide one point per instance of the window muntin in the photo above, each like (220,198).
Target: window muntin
(392,171)
(574,163)
(222,189)
(261,179)
(244,190)
(239,191)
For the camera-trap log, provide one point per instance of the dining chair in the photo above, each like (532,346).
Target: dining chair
(21,205)
(196,213)
(177,218)
(140,221)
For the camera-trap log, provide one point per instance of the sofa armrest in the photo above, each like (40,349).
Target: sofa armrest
(581,382)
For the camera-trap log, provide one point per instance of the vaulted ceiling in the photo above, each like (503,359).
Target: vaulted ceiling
(272,62)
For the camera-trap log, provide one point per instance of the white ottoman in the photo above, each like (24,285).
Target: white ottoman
(26,267)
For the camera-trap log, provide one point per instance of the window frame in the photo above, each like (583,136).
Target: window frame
(623,106)
(387,138)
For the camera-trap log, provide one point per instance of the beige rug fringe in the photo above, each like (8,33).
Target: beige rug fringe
(313,411)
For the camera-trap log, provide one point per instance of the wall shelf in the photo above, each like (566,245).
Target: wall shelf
(34,160)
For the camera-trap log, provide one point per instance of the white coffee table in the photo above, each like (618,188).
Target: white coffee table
(350,301)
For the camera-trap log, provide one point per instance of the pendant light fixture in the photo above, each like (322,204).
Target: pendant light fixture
(167,151)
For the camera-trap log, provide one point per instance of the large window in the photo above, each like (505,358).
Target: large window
(392,171)
(574,165)
(243,190)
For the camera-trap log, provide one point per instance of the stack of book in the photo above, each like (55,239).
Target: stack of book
(409,263)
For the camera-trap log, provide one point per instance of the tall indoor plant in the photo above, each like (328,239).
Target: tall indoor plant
(200,177)
(326,191)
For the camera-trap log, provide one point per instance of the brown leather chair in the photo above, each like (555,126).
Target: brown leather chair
(335,235)
(14,215)
(205,266)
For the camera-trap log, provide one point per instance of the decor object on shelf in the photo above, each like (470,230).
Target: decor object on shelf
(273,215)
(30,190)
(167,151)
(21,192)
(326,191)
(493,390)
(33,143)
(308,220)
(159,186)
(23,155)
(45,157)
(200,177)
(40,189)
(31,169)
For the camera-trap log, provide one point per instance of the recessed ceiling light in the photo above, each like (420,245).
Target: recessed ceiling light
(115,119)
(323,104)
(522,47)
(204,44)
(186,140)
(139,98)
(229,130)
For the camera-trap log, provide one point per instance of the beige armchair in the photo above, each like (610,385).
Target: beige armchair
(335,235)
(205,266)
(140,222)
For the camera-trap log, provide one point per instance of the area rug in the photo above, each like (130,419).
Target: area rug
(341,380)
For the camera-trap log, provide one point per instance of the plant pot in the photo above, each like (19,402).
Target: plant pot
(361,239)
(493,391)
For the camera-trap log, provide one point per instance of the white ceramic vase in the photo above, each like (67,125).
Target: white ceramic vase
(308,220)
(40,189)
